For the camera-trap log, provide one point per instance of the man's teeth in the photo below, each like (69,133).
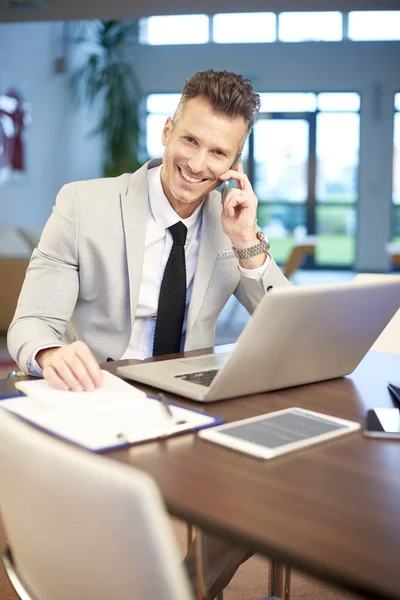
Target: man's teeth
(190,179)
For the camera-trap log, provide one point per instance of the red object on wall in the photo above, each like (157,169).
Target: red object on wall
(13,142)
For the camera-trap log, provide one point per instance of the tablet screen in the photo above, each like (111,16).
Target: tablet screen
(284,428)
(279,432)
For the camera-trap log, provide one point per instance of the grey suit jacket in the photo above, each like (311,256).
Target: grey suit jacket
(83,278)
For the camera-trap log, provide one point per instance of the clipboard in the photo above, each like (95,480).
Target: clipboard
(115,416)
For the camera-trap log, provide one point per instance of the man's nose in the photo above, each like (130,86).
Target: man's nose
(197,163)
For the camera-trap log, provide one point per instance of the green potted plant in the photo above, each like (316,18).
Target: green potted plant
(106,76)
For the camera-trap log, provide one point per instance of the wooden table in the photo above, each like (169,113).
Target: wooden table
(332,511)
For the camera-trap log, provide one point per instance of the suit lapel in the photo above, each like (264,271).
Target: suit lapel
(211,241)
(134,207)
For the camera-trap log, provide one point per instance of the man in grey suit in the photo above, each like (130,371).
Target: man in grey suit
(92,286)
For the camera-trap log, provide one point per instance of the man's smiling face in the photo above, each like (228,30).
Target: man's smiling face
(200,145)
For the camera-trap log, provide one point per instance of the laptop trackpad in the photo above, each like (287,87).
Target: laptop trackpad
(206,362)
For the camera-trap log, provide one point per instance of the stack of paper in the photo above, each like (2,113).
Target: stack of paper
(112,416)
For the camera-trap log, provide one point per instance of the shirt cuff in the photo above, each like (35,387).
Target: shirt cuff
(32,364)
(258,273)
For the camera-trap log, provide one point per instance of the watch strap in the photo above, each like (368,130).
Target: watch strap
(261,248)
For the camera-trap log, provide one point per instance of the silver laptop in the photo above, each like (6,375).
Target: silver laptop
(297,335)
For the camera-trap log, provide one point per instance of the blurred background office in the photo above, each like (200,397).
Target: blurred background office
(324,156)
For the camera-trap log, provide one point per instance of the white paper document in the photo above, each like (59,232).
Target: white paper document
(113,388)
(109,417)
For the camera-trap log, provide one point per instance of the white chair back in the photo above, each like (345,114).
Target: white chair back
(81,526)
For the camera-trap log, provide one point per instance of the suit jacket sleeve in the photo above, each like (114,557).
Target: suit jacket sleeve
(51,285)
(249,291)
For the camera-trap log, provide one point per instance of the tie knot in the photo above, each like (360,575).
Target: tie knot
(178,232)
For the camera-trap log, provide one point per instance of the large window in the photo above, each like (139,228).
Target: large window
(305,173)
(267,27)
(239,28)
(295,102)
(374,25)
(336,186)
(174,29)
(159,108)
(310,26)
(396,171)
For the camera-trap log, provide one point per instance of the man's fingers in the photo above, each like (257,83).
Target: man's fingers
(235,198)
(90,363)
(50,374)
(80,373)
(69,370)
(240,177)
(73,367)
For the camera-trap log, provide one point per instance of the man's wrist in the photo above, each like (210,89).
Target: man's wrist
(253,251)
(253,263)
(244,241)
(43,355)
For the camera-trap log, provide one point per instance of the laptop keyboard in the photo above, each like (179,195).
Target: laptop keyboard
(201,377)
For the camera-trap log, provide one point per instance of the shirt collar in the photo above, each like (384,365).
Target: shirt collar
(163,213)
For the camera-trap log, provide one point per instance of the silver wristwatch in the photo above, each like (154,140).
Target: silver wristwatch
(260,248)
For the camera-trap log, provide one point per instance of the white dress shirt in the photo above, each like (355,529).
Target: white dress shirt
(158,244)
(157,247)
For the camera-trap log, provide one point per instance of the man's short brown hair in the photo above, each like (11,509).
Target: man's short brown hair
(229,94)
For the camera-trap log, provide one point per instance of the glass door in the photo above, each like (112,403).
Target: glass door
(281,165)
(304,166)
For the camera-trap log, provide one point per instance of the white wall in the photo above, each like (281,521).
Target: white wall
(59,151)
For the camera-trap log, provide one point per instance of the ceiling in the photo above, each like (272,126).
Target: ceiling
(65,10)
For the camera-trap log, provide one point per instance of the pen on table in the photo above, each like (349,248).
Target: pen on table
(167,408)
(165,405)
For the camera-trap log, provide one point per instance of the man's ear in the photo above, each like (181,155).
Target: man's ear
(166,131)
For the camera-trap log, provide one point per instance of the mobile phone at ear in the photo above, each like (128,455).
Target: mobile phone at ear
(382,423)
(226,184)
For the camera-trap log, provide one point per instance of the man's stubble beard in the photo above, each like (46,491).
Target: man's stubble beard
(185,200)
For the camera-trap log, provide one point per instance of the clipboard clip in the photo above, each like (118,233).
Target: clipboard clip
(176,425)
(124,436)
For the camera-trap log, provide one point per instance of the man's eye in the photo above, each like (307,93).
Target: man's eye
(220,153)
(189,139)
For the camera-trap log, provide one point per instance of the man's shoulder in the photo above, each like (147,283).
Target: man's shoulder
(108,186)
(103,185)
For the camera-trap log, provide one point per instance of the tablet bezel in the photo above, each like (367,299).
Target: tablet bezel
(217,435)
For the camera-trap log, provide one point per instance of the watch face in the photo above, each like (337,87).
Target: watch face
(263,240)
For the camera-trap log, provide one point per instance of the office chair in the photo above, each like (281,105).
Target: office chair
(389,339)
(80,525)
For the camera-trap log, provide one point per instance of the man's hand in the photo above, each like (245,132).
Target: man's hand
(239,211)
(239,215)
(72,367)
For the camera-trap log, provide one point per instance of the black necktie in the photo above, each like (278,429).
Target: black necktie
(172,298)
